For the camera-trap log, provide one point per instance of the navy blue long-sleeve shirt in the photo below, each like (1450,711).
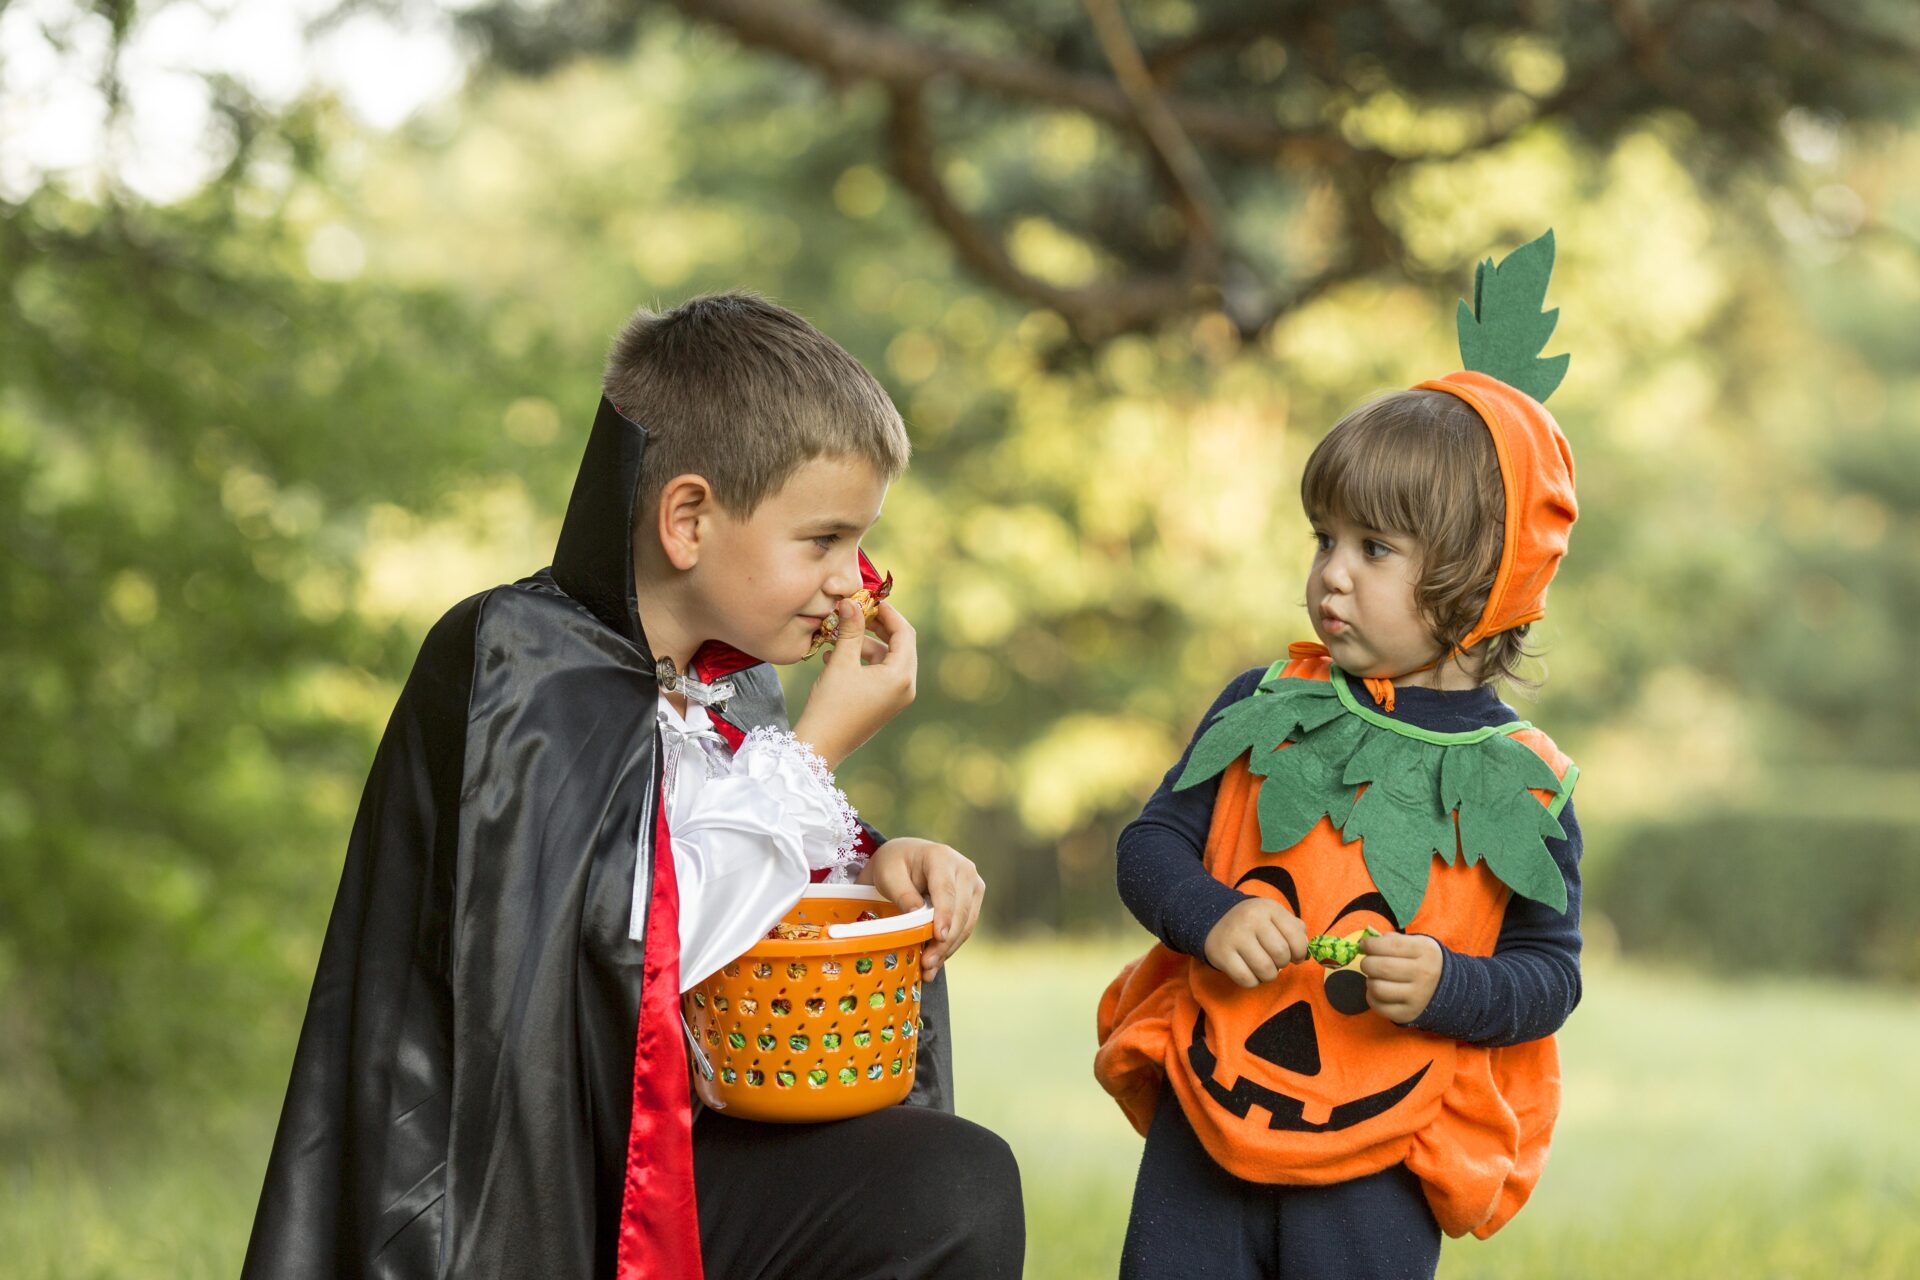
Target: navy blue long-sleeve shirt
(1523,991)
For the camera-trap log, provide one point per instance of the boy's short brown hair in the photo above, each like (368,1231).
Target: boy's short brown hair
(742,391)
(1422,463)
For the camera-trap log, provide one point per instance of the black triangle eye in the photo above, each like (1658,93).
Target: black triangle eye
(1347,991)
(1287,1040)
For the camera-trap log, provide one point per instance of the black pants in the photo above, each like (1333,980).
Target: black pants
(907,1193)
(1195,1221)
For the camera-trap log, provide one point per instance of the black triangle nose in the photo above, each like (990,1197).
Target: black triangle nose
(1287,1040)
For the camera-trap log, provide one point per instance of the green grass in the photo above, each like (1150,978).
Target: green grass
(1709,1130)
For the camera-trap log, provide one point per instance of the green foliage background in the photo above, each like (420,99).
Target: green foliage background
(253,442)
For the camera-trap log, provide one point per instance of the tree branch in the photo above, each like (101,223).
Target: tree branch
(1196,196)
(1170,60)
(848,48)
(1095,313)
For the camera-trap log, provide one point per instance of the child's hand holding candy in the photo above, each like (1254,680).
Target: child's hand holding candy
(851,700)
(1255,940)
(1402,970)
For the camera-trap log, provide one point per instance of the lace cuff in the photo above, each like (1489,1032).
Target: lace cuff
(809,799)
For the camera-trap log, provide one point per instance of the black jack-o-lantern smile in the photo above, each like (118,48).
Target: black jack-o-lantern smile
(1290,1039)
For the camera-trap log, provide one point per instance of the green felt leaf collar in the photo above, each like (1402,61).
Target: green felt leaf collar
(1417,781)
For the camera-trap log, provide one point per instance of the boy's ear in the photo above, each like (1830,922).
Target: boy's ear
(683,517)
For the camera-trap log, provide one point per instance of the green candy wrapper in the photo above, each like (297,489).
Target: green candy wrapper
(1336,952)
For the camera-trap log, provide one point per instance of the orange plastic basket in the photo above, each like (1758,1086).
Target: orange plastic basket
(804,1030)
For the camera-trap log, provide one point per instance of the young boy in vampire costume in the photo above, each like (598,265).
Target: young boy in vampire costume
(491,1079)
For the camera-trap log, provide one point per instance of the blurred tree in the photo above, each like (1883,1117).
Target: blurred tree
(1242,153)
(1823,823)
(252,443)
(198,417)
(1093,541)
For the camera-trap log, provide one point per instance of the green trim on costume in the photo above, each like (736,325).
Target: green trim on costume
(1452,794)
(1566,789)
(1468,738)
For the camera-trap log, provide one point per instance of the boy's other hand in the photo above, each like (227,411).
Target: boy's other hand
(1255,940)
(1402,970)
(914,872)
(853,698)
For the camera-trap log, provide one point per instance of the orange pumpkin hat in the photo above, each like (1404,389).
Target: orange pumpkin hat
(1536,472)
(1505,382)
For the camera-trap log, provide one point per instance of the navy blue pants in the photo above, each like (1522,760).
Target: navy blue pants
(1194,1220)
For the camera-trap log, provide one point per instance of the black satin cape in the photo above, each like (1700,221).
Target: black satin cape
(462,1097)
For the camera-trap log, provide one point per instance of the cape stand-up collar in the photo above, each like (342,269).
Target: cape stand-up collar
(593,562)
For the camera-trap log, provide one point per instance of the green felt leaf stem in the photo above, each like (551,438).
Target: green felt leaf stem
(1502,333)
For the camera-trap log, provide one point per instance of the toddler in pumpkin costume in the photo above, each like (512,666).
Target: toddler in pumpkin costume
(1313,1107)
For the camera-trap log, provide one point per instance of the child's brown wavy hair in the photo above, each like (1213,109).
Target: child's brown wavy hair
(1422,464)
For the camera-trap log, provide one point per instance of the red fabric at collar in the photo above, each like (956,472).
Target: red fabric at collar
(715,659)
(659,1219)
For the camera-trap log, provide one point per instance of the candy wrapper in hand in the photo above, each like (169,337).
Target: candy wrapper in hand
(1337,952)
(873,589)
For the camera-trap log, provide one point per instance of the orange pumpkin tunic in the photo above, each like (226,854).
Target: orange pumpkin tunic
(1473,1123)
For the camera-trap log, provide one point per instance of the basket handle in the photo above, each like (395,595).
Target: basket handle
(885,924)
(700,1060)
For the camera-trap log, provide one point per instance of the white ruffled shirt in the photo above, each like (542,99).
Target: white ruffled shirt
(749,829)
